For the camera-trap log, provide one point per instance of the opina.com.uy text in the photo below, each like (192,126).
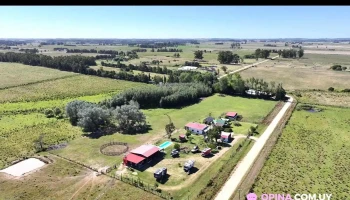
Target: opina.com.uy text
(253,196)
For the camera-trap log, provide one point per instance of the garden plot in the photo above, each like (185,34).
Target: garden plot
(23,167)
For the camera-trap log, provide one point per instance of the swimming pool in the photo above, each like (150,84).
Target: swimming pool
(165,145)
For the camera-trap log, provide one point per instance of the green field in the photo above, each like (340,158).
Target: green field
(86,150)
(64,180)
(14,74)
(311,156)
(81,85)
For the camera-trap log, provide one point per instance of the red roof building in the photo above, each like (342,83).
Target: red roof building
(231,114)
(145,150)
(140,154)
(197,126)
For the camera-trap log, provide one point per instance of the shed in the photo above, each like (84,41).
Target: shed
(219,122)
(226,137)
(208,120)
(231,115)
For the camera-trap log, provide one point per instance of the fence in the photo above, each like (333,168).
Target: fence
(126,179)
(116,153)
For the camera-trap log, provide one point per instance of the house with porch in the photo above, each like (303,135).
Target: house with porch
(197,128)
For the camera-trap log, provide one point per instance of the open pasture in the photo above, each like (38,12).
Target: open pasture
(324,98)
(14,74)
(296,75)
(311,156)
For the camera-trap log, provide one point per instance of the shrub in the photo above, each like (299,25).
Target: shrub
(177,146)
(188,133)
(346,90)
(336,67)
(179,164)
(57,111)
(49,113)
(331,89)
(237,124)
(212,146)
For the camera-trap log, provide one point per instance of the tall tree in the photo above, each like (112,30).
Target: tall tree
(198,54)
(301,53)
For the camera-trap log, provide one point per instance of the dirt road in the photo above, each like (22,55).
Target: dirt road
(232,183)
(246,67)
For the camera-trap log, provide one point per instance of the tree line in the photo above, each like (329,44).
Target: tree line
(160,45)
(192,63)
(234,84)
(167,50)
(139,50)
(291,53)
(112,52)
(164,96)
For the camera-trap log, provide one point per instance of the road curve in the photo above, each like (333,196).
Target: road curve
(237,177)
(246,67)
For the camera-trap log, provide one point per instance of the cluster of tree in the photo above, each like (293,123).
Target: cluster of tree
(143,67)
(30,50)
(164,96)
(194,42)
(59,49)
(234,84)
(227,57)
(192,76)
(176,55)
(122,75)
(296,46)
(139,50)
(291,53)
(236,45)
(79,64)
(262,53)
(270,45)
(169,50)
(198,55)
(338,68)
(219,43)
(56,112)
(91,117)
(156,62)
(70,45)
(112,52)
(192,63)
(105,56)
(5,47)
(132,55)
(51,43)
(81,51)
(160,44)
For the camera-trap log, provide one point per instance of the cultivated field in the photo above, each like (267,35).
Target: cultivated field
(311,156)
(64,180)
(79,85)
(14,74)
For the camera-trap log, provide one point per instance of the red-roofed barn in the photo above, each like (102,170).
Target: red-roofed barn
(197,127)
(140,155)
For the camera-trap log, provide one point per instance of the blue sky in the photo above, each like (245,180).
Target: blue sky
(174,22)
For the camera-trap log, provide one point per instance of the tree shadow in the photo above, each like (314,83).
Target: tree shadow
(193,170)
(164,179)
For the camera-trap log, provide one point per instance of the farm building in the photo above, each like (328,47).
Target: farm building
(197,128)
(187,68)
(231,115)
(225,137)
(140,155)
(208,120)
(219,122)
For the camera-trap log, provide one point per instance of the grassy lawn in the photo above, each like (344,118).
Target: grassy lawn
(311,156)
(252,110)
(64,180)
(81,85)
(14,74)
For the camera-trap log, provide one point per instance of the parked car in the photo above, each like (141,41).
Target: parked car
(206,152)
(195,149)
(188,166)
(174,153)
(160,173)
